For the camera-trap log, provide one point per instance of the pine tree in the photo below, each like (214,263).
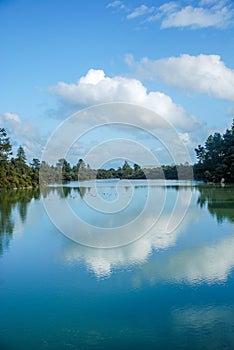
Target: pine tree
(5,146)
(21,156)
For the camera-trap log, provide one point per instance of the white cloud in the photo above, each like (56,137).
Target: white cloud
(201,14)
(202,73)
(207,13)
(198,17)
(96,88)
(11,117)
(22,132)
(185,138)
(168,7)
(116,4)
(140,11)
(214,3)
(10,121)
(164,10)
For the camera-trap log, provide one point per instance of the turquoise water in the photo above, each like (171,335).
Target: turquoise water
(154,270)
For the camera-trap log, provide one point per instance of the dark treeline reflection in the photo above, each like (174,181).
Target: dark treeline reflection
(219,201)
(64,192)
(11,200)
(17,201)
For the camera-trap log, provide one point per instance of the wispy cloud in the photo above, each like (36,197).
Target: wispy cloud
(116,5)
(200,74)
(163,10)
(198,17)
(193,15)
(140,11)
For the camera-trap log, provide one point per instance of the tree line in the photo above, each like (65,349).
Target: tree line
(14,171)
(64,172)
(216,158)
(215,163)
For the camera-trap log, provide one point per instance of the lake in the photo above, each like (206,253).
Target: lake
(117,265)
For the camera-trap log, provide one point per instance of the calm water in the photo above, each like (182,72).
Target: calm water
(155,269)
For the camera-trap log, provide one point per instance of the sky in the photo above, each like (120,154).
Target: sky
(172,59)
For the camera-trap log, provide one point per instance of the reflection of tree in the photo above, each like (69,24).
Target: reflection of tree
(10,200)
(81,191)
(219,200)
(66,191)
(63,191)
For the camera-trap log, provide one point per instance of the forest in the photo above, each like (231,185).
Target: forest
(215,163)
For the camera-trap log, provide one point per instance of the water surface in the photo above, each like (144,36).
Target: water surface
(171,287)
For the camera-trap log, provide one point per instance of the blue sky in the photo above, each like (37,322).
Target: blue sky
(173,57)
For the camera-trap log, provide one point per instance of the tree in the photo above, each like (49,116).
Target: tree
(35,164)
(200,154)
(21,156)
(138,172)
(136,167)
(126,170)
(5,146)
(80,164)
(228,162)
(216,158)
(67,176)
(59,163)
(15,173)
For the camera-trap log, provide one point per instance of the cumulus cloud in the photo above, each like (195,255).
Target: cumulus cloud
(201,74)
(96,88)
(140,11)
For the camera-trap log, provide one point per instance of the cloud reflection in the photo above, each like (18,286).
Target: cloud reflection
(104,261)
(206,263)
(209,259)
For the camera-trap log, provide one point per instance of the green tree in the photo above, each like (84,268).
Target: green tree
(21,156)
(138,173)
(35,164)
(80,164)
(216,158)
(228,161)
(126,170)
(200,154)
(67,176)
(5,145)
